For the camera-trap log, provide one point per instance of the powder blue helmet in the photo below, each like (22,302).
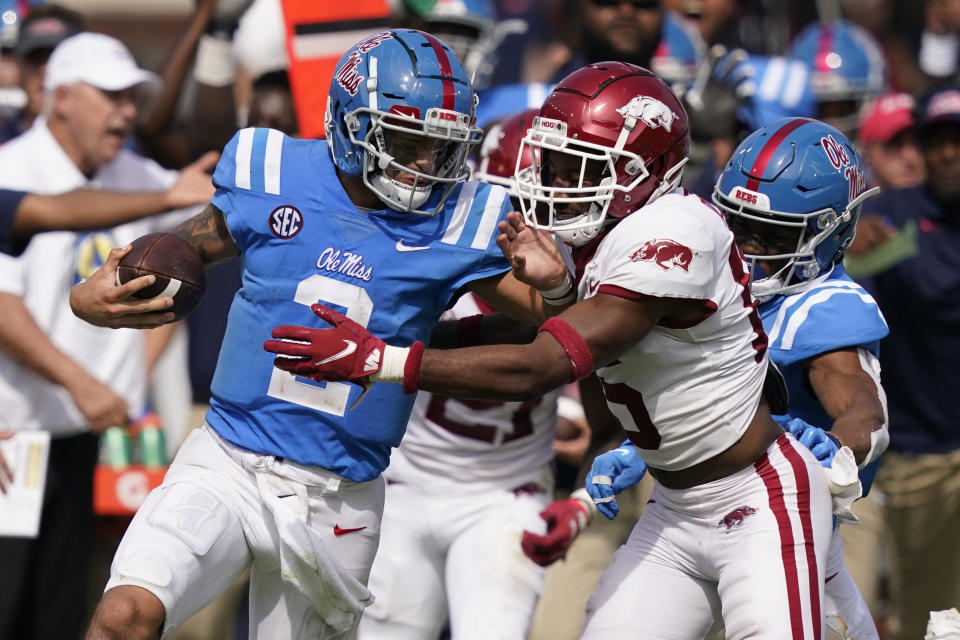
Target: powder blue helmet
(846,65)
(391,94)
(792,193)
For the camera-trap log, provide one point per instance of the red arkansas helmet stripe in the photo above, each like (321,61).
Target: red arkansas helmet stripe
(446,71)
(760,164)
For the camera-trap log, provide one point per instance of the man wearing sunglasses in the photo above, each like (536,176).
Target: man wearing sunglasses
(640,32)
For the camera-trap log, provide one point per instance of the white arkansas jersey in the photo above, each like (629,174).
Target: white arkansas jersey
(684,393)
(475,440)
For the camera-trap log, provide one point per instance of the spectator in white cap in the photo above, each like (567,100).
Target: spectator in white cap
(57,373)
(91,83)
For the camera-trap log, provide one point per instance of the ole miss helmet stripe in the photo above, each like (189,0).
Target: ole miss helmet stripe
(824,47)
(760,164)
(446,72)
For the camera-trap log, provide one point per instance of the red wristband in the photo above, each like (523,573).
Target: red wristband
(411,368)
(573,343)
(470,331)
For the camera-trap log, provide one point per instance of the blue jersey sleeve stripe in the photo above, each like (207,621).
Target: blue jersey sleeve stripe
(792,301)
(242,158)
(796,85)
(460,213)
(487,228)
(798,317)
(271,162)
(771,84)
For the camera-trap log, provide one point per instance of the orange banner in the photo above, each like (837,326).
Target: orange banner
(318,33)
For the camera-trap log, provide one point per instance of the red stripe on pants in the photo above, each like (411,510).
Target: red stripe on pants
(806,523)
(777,504)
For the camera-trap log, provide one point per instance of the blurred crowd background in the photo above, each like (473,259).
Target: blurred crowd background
(861,65)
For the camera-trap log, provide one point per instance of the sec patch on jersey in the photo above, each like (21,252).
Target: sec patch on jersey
(177,265)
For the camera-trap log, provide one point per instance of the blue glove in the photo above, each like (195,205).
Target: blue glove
(611,473)
(814,438)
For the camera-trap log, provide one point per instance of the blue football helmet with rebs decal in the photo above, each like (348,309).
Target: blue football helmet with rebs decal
(792,193)
(400,114)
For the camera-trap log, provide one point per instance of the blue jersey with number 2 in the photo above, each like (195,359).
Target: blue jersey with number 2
(303,241)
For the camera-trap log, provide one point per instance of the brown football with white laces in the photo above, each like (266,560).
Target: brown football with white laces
(176,264)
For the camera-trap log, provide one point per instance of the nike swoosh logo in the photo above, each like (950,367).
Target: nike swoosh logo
(405,247)
(337,531)
(593,286)
(350,348)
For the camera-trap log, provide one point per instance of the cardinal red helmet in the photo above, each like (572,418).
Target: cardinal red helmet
(610,138)
(500,151)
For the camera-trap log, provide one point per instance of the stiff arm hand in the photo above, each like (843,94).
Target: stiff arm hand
(534,256)
(611,473)
(101,302)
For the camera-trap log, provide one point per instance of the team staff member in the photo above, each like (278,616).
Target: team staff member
(56,373)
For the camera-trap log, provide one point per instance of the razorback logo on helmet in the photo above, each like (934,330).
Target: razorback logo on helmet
(664,253)
(348,75)
(736,517)
(835,151)
(285,221)
(650,111)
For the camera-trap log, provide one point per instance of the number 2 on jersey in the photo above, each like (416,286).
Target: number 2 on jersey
(333,396)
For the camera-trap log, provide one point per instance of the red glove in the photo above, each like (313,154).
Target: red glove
(345,351)
(565,520)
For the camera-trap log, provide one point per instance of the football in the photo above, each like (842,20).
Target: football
(177,265)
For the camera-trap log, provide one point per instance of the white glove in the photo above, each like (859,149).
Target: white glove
(943,625)
(844,483)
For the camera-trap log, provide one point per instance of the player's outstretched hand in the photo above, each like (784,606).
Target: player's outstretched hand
(345,351)
(100,301)
(565,520)
(814,438)
(611,473)
(534,256)
(194,184)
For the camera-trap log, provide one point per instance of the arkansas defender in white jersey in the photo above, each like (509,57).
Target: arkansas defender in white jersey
(738,526)
(468,477)
(285,477)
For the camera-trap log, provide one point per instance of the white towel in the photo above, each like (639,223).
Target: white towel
(305,562)
(844,483)
(943,625)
